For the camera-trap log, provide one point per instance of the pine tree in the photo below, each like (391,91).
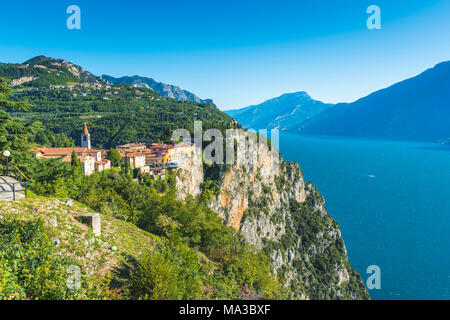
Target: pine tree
(75,162)
(5,92)
(75,180)
(126,169)
(15,133)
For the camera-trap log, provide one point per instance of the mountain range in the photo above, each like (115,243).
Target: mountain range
(166,90)
(51,71)
(416,109)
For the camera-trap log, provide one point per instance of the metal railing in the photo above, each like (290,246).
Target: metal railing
(22,181)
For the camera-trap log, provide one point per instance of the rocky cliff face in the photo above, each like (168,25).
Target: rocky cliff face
(277,211)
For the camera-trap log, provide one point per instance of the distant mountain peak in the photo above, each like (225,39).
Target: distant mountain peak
(292,95)
(42,59)
(298,93)
(283,112)
(443,64)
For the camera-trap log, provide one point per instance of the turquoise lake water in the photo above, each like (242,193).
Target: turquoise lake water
(392,202)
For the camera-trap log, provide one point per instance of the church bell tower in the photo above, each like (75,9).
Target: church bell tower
(85,138)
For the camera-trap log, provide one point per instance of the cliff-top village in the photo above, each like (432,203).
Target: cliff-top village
(148,159)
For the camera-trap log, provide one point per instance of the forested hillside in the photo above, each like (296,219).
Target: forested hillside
(63,96)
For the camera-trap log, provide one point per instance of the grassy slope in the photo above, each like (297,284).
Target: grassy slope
(98,257)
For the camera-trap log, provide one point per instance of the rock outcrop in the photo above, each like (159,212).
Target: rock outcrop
(22,80)
(272,206)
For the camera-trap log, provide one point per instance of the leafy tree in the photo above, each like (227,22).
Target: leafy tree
(115,157)
(51,177)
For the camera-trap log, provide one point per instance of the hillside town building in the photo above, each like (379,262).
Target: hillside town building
(157,155)
(151,160)
(91,159)
(135,159)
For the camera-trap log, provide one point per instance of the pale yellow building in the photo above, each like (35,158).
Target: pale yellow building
(179,151)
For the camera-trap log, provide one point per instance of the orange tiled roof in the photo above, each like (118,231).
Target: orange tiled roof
(68,158)
(151,155)
(183,145)
(63,151)
(132,154)
(102,162)
(160,146)
(131,146)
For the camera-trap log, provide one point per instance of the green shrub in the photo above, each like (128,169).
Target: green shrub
(169,273)
(28,267)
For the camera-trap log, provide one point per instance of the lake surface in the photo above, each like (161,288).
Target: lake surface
(392,202)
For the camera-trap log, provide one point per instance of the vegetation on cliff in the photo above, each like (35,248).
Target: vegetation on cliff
(284,216)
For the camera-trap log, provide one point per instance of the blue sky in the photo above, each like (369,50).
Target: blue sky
(237,52)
